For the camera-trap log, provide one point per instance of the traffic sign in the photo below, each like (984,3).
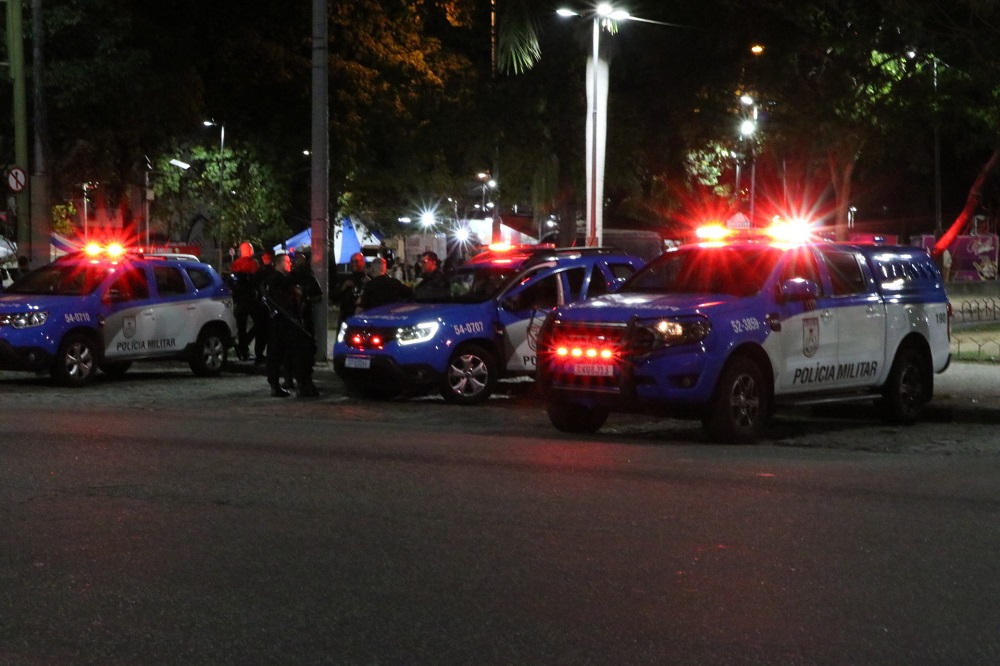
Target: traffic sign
(16,179)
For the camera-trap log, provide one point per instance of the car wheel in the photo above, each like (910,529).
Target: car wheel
(574,417)
(740,405)
(211,352)
(470,377)
(905,391)
(76,361)
(115,368)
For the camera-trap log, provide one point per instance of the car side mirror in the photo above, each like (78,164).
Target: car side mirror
(511,303)
(798,289)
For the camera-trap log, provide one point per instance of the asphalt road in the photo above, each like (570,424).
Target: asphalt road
(167,519)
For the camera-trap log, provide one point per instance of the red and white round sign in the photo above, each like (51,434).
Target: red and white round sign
(16,179)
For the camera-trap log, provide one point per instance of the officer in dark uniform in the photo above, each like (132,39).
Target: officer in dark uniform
(261,334)
(383,288)
(434,283)
(312,295)
(246,299)
(289,341)
(350,288)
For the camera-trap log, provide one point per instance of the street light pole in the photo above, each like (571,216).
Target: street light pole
(222,150)
(594,232)
(222,182)
(748,128)
(603,12)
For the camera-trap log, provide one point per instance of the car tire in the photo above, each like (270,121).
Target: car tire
(470,377)
(907,388)
(115,368)
(575,418)
(210,354)
(740,405)
(76,361)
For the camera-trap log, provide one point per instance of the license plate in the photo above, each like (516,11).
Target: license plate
(593,370)
(359,362)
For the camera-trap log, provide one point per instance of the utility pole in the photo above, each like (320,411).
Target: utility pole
(15,55)
(320,199)
(41,207)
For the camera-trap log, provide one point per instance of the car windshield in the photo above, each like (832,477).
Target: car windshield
(468,284)
(706,270)
(61,279)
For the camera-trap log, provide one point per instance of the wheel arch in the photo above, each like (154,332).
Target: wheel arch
(95,335)
(918,343)
(489,344)
(756,354)
(219,328)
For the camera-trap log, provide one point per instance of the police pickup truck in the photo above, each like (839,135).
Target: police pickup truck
(725,331)
(105,308)
(461,340)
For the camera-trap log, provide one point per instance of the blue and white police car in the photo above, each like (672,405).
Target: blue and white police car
(725,331)
(103,308)
(483,327)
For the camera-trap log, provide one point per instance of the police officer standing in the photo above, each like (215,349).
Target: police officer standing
(246,300)
(383,288)
(350,289)
(311,294)
(261,334)
(434,283)
(289,341)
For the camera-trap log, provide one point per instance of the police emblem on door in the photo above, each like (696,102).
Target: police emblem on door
(128,327)
(810,336)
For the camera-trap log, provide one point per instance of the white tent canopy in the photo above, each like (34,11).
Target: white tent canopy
(348,237)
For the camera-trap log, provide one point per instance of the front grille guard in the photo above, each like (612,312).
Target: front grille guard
(631,340)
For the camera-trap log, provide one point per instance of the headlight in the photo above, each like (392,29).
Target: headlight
(24,319)
(411,335)
(341,331)
(671,332)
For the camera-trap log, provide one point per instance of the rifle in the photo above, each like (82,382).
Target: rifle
(282,312)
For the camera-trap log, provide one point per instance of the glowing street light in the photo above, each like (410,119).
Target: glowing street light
(748,127)
(604,13)
(222,149)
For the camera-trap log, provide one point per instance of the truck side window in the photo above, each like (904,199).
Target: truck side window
(199,278)
(598,283)
(845,273)
(575,278)
(802,264)
(130,285)
(169,281)
(544,294)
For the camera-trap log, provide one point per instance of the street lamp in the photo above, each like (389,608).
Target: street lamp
(222,149)
(603,13)
(222,181)
(488,184)
(86,215)
(747,129)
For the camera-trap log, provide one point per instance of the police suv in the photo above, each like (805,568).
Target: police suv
(725,331)
(484,327)
(105,308)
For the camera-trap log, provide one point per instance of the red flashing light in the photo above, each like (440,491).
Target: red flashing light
(712,232)
(595,353)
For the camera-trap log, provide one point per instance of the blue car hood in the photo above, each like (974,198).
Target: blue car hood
(618,307)
(406,314)
(23,302)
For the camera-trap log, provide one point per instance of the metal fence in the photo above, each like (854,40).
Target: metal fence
(973,335)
